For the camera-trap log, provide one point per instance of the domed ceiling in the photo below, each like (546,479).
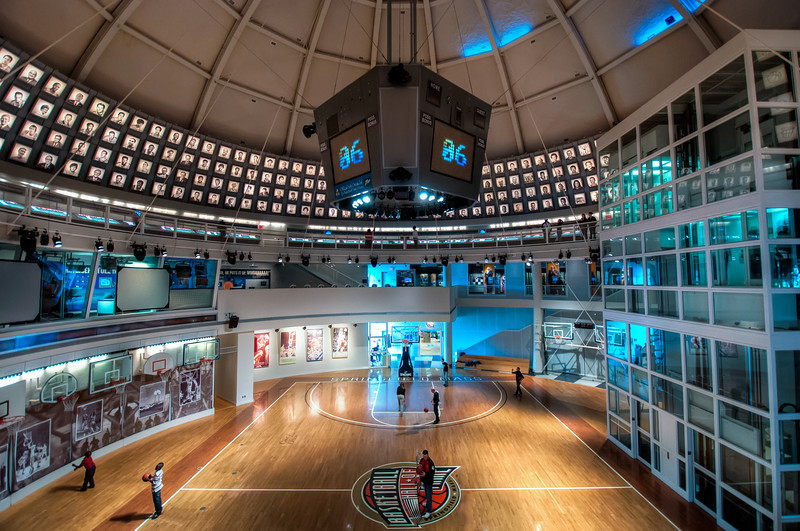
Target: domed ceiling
(252,71)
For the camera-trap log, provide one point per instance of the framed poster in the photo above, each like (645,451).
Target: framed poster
(288,350)
(152,399)
(261,350)
(190,387)
(89,420)
(33,450)
(314,344)
(341,342)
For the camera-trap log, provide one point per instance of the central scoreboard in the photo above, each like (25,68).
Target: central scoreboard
(399,133)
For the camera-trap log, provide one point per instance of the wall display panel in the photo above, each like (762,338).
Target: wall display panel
(190,387)
(773,76)
(314,344)
(778,126)
(32,451)
(288,348)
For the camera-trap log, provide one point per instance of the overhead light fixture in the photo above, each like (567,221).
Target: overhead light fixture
(139,251)
(433,259)
(486,259)
(322,259)
(110,245)
(241,256)
(503,259)
(560,255)
(425,260)
(305,259)
(280,259)
(398,75)
(44,238)
(329,259)
(205,254)
(27,240)
(197,253)
(99,245)
(56,239)
(569,254)
(156,251)
(356,259)
(349,260)
(445,260)
(231,255)
(310,130)
(249,257)
(374,261)
(164,251)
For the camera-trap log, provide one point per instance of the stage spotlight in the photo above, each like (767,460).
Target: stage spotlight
(56,239)
(280,259)
(503,259)
(231,257)
(486,259)
(349,260)
(139,251)
(156,251)
(390,194)
(493,260)
(305,259)
(433,259)
(164,251)
(249,257)
(381,195)
(241,256)
(206,255)
(560,255)
(197,253)
(110,245)
(445,260)
(287,258)
(374,261)
(356,259)
(99,245)
(322,259)
(569,254)
(329,259)
(398,75)
(44,238)
(27,240)
(425,260)
(523,257)
(310,130)
(233,321)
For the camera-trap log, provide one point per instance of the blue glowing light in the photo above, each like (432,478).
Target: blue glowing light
(423,195)
(662,20)
(479,46)
(452,153)
(515,33)
(351,155)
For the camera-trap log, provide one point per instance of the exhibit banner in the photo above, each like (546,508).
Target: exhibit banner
(340,341)
(288,350)
(261,350)
(314,344)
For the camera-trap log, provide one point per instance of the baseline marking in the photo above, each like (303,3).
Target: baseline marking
(547,488)
(223,449)
(268,490)
(601,459)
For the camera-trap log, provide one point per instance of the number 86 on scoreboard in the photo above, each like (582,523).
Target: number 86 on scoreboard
(451,153)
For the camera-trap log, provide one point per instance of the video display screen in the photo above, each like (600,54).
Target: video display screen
(349,154)
(453,152)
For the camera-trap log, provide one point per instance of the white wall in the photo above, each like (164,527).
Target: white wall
(357,356)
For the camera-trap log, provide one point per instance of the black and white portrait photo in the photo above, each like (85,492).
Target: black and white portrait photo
(4,468)
(190,387)
(33,450)
(89,419)
(151,399)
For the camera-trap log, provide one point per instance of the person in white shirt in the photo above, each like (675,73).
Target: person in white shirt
(156,484)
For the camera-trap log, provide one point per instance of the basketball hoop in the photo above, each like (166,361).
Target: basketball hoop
(68,401)
(207,363)
(12,424)
(163,374)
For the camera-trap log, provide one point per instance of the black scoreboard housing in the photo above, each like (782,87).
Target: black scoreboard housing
(400,120)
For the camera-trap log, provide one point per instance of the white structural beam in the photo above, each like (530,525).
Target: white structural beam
(426,7)
(703,31)
(376,33)
(586,59)
(501,68)
(103,38)
(201,110)
(301,83)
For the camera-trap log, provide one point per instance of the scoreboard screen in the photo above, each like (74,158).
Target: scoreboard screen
(349,154)
(453,152)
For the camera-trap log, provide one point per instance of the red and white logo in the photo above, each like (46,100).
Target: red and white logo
(392,495)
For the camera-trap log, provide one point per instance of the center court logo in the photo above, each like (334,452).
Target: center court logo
(391,495)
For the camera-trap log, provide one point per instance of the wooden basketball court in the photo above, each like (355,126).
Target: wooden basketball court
(302,457)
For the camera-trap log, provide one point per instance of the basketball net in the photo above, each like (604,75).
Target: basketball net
(164,374)
(69,401)
(12,425)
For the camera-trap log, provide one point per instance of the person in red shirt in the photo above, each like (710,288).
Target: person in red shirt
(426,470)
(88,464)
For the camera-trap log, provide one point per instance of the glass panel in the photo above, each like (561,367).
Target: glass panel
(644,448)
(789,494)
(790,440)
(705,490)
(612,273)
(619,404)
(784,260)
(666,349)
(662,270)
(737,513)
(643,410)
(668,396)
(724,91)
(731,180)
(618,374)
(617,339)
(684,115)
(658,203)
(690,193)
(698,362)
(695,306)
(743,374)
(656,172)
(630,182)
(619,432)
(66,277)
(788,380)
(778,126)
(701,410)
(687,158)
(631,212)
(740,310)
(654,133)
(746,430)
(736,266)
(773,76)
(786,311)
(693,269)
(633,244)
(640,389)
(609,191)
(782,222)
(746,476)
(628,147)
(636,302)
(659,240)
(638,345)
(610,218)
(609,160)
(728,139)
(635,272)
(612,247)
(662,303)
(733,228)
(614,299)
(105,285)
(781,172)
